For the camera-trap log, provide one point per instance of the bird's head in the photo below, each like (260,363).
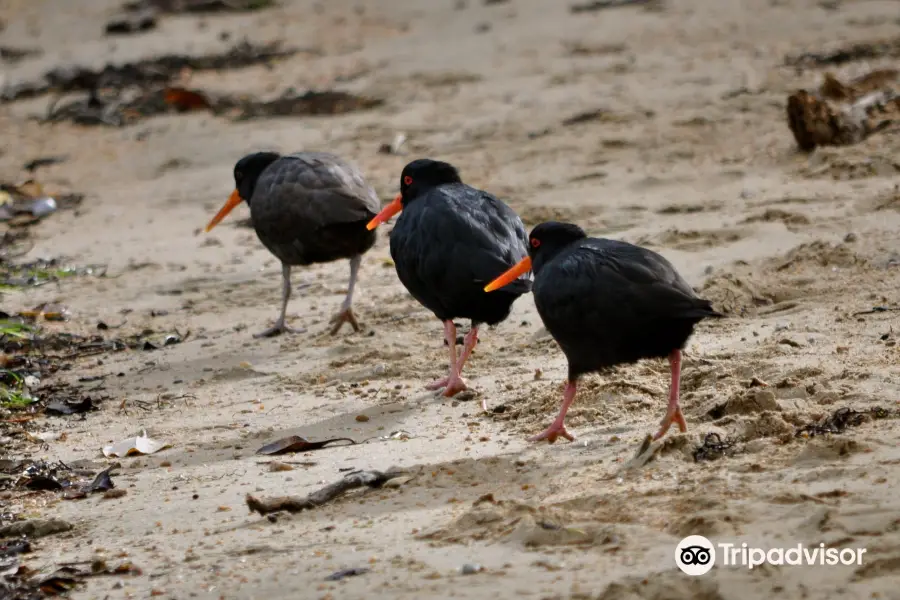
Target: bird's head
(417,177)
(246,174)
(544,242)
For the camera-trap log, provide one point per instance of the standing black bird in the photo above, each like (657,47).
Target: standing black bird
(448,243)
(308,207)
(606,303)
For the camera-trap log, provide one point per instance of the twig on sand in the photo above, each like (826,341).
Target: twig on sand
(876,309)
(356,479)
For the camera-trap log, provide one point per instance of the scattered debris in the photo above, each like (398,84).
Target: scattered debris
(295,443)
(41,272)
(712,448)
(471,569)
(25,583)
(132,21)
(851,53)
(276,466)
(168,340)
(394,146)
(200,6)
(354,480)
(26,204)
(138,445)
(602,4)
(35,528)
(49,311)
(843,418)
(865,106)
(397,435)
(14,55)
(44,161)
(161,70)
(876,309)
(352,572)
(597,114)
(290,104)
(101,483)
(118,108)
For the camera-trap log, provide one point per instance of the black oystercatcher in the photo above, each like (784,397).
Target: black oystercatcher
(448,243)
(607,303)
(308,207)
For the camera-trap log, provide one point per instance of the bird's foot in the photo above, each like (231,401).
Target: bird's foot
(436,385)
(450,385)
(345,316)
(557,429)
(278,329)
(672,416)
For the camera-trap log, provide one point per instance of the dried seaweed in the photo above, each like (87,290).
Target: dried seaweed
(200,6)
(843,418)
(159,71)
(850,53)
(117,108)
(713,448)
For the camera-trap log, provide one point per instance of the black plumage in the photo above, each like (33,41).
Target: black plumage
(607,303)
(448,243)
(306,208)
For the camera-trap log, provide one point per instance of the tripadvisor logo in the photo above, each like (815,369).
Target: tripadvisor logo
(696,555)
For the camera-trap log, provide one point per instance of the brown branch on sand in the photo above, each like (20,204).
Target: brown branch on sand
(840,114)
(357,479)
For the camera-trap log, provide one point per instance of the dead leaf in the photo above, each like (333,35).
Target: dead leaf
(295,443)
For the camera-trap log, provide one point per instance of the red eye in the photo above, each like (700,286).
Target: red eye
(407,180)
(535,242)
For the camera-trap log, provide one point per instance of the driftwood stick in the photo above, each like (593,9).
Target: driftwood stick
(844,114)
(352,481)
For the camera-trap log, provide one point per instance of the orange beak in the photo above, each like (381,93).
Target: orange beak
(386,213)
(520,268)
(233,201)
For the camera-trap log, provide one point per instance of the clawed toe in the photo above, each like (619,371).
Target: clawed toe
(674,416)
(552,433)
(451,386)
(345,316)
(436,385)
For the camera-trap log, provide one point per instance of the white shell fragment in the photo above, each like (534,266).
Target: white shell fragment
(139,445)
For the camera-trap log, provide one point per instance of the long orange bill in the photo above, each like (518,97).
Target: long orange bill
(233,201)
(520,268)
(386,213)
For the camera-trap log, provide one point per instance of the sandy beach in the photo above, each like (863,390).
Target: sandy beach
(661,124)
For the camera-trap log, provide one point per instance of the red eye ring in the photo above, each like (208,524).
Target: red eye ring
(535,242)
(407,180)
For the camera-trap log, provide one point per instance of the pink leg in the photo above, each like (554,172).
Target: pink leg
(558,428)
(471,340)
(453,382)
(674,412)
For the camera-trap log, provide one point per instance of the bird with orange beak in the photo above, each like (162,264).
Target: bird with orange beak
(306,208)
(607,303)
(449,241)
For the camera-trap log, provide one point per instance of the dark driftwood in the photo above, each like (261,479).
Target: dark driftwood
(841,114)
(352,481)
